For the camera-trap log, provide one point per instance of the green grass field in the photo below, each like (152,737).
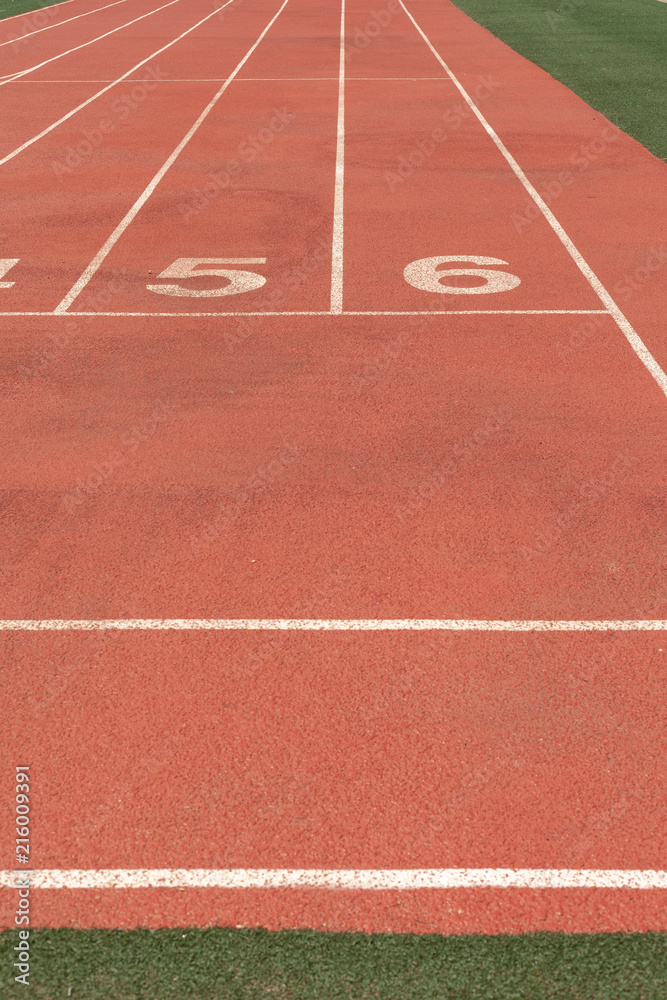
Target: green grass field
(613,53)
(10,7)
(219,964)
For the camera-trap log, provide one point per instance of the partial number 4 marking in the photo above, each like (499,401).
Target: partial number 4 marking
(184,267)
(6,263)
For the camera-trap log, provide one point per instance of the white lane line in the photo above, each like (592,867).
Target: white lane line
(368,879)
(28,34)
(406,79)
(260,79)
(337,238)
(10,78)
(482,312)
(201,79)
(35,10)
(325,625)
(50,128)
(101,81)
(95,263)
(441,312)
(633,338)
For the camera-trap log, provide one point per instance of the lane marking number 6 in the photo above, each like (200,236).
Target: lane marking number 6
(424,274)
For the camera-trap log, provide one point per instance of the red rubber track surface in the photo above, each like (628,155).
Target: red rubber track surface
(21,25)
(499,466)
(97,57)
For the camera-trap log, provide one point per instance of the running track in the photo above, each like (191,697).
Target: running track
(338,601)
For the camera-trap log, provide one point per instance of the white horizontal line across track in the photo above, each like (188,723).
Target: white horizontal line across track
(369,879)
(328,625)
(258,79)
(423,312)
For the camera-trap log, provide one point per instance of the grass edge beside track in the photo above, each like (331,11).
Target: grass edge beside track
(243,964)
(8,8)
(611,53)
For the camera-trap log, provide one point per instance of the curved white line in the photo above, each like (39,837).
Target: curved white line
(29,34)
(17,76)
(54,125)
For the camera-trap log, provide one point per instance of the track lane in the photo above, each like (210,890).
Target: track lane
(53,10)
(263,157)
(524,493)
(46,51)
(273,144)
(419,187)
(44,277)
(605,188)
(544,752)
(22,37)
(152,74)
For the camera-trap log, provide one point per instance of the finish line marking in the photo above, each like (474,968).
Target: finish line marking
(372,879)
(345,312)
(326,625)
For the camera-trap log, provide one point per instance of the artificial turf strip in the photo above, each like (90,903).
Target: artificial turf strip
(10,7)
(612,53)
(226,964)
